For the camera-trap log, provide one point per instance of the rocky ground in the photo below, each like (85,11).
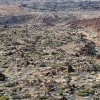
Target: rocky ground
(49,57)
(53,63)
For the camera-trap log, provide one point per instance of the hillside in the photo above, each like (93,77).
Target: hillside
(92,25)
(49,50)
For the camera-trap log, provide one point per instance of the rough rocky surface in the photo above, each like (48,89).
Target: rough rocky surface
(49,56)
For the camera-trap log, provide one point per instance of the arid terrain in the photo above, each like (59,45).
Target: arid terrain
(49,50)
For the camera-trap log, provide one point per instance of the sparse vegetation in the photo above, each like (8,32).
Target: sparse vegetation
(49,50)
(4,98)
(27,96)
(16,97)
(9,85)
(85,92)
(42,98)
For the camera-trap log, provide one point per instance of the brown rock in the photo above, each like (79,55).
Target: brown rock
(2,77)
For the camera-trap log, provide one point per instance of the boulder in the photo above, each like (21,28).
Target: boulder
(69,67)
(2,77)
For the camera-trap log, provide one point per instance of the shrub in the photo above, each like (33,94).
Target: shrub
(42,64)
(96,86)
(4,98)
(83,93)
(45,53)
(42,98)
(61,93)
(58,64)
(27,96)
(16,97)
(10,85)
(13,94)
(54,53)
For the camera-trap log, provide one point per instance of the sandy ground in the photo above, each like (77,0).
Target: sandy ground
(9,9)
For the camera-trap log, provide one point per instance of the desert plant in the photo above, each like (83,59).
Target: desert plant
(42,64)
(10,85)
(96,86)
(61,93)
(16,97)
(13,94)
(45,53)
(42,98)
(84,92)
(4,98)
(27,96)
(58,64)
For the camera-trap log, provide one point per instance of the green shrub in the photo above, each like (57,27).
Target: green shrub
(13,94)
(42,64)
(45,53)
(61,93)
(4,98)
(10,85)
(16,97)
(58,64)
(96,67)
(27,96)
(96,86)
(83,93)
(54,53)
(42,98)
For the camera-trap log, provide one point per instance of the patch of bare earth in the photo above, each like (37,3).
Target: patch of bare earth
(68,46)
(10,9)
